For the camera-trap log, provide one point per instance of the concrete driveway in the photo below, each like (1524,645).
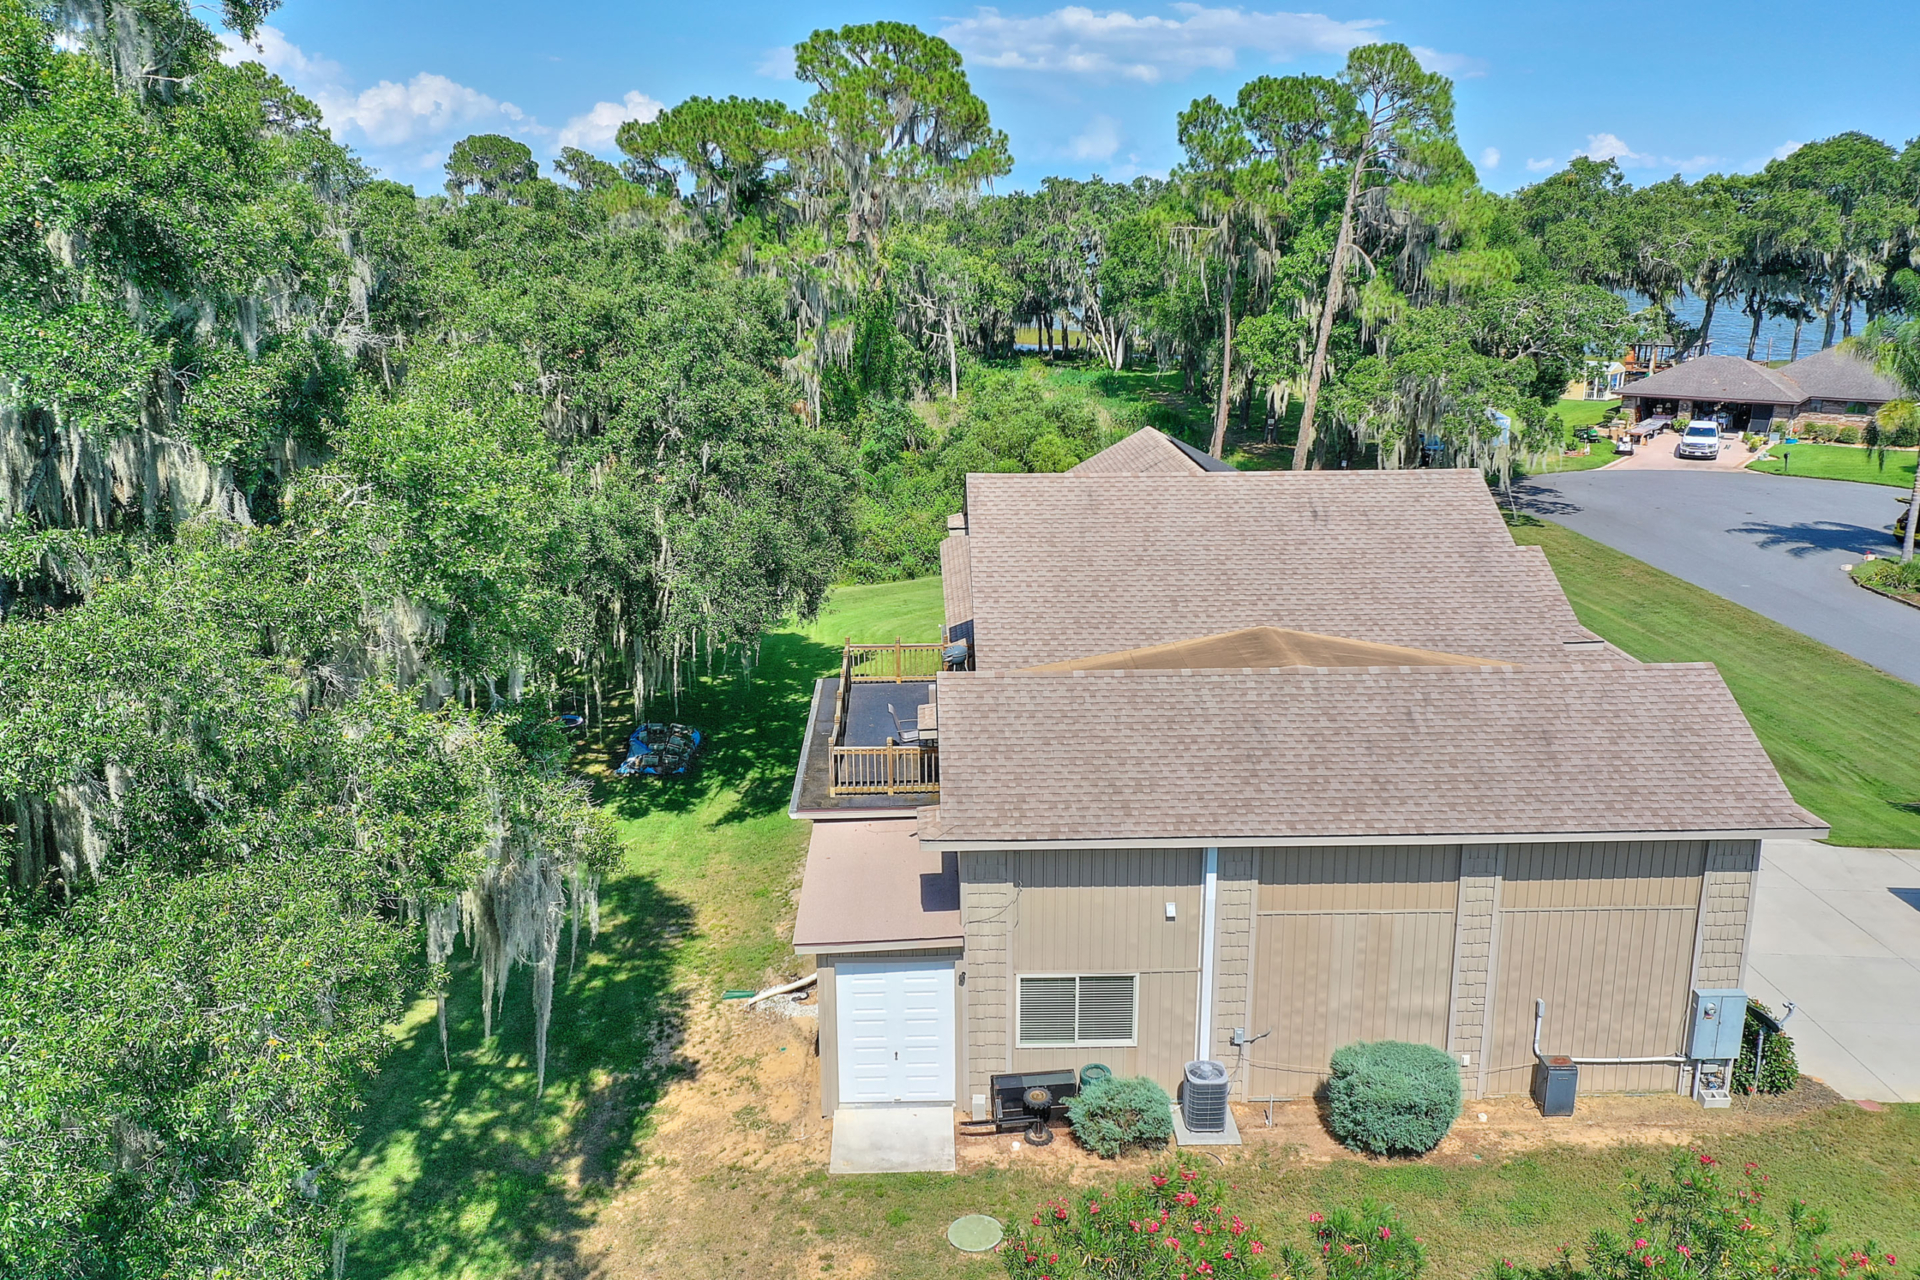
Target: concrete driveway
(1772,543)
(1838,932)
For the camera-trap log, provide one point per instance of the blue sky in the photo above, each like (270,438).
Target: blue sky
(1683,86)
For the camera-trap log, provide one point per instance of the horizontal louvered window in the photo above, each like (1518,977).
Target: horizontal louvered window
(1084,1009)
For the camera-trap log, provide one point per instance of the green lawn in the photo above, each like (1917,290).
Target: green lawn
(1840,462)
(1584,413)
(1845,737)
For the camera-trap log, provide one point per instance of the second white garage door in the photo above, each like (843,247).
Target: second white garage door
(895,1022)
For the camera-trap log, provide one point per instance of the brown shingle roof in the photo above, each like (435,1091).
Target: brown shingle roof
(956,580)
(1149,452)
(1266,647)
(872,884)
(1839,374)
(1349,754)
(1065,566)
(1719,378)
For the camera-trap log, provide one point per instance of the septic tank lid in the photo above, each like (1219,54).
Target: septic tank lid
(975,1233)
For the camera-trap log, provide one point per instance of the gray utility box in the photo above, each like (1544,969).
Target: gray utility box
(1203,1097)
(1556,1085)
(1719,1022)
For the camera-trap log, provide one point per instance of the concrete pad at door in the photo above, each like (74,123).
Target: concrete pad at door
(892,1140)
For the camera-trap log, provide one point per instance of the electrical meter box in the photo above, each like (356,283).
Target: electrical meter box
(1719,1020)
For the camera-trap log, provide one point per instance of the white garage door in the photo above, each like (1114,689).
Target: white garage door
(895,1022)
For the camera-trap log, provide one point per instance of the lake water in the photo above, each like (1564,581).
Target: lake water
(1731,326)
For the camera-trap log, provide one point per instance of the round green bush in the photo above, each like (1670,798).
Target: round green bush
(1110,1116)
(1389,1097)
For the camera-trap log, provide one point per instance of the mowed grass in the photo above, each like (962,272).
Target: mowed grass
(1845,737)
(1840,462)
(1584,413)
(465,1172)
(1862,1169)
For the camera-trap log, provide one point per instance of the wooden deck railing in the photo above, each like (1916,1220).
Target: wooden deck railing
(884,770)
(868,663)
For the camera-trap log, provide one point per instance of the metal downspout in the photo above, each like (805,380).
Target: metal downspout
(1209,901)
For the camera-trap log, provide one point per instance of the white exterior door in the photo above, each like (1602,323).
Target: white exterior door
(895,1023)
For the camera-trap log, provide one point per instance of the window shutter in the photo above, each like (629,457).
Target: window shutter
(1106,1007)
(1046,1011)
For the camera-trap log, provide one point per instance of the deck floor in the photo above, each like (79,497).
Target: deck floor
(870,724)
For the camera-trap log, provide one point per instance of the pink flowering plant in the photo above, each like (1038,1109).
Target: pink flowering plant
(1700,1220)
(1176,1224)
(1368,1243)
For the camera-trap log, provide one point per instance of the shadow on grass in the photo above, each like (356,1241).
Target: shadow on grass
(465,1172)
(471,1172)
(753,728)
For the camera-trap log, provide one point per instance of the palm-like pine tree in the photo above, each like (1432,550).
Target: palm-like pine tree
(1892,342)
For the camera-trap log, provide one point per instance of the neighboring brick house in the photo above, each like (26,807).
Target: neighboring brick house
(1834,386)
(1315,757)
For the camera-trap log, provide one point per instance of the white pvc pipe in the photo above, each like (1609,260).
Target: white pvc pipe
(1540,1016)
(1209,899)
(795,985)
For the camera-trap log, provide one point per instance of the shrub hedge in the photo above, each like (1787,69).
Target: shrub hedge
(1779,1069)
(1110,1116)
(1389,1097)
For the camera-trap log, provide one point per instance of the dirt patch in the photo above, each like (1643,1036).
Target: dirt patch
(1297,1130)
(744,1110)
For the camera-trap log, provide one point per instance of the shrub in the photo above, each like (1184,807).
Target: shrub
(1391,1098)
(1110,1116)
(1897,425)
(1779,1069)
(1848,435)
(1177,1223)
(1691,1224)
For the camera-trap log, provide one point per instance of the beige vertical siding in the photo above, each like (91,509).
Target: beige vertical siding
(1351,944)
(1605,933)
(1104,911)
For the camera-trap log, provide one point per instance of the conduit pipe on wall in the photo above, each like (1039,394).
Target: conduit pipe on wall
(1540,1016)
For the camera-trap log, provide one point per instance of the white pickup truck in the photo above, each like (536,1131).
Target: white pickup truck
(1699,439)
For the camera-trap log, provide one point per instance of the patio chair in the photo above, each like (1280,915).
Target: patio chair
(908,734)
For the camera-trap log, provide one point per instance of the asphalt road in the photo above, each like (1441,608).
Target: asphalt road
(1772,543)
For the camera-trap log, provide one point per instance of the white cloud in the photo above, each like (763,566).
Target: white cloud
(1541,166)
(597,127)
(1458,65)
(1098,141)
(777,64)
(386,115)
(1606,146)
(1149,48)
(391,115)
(1490,158)
(1785,149)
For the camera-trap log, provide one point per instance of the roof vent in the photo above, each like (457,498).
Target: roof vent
(1584,646)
